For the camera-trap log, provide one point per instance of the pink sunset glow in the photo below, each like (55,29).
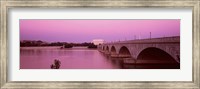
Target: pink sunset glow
(87,30)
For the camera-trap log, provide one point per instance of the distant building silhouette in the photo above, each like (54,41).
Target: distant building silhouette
(98,41)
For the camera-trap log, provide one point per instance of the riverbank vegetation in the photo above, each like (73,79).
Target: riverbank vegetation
(38,43)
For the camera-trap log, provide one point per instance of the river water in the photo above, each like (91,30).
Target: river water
(80,58)
(71,58)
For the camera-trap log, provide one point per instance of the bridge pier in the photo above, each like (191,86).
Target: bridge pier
(114,55)
(129,61)
(107,53)
(124,56)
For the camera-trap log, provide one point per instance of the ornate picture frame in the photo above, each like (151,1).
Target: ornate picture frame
(4,44)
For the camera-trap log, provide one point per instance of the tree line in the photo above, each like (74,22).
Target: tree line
(29,43)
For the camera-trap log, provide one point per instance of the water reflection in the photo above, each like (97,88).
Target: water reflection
(79,58)
(72,58)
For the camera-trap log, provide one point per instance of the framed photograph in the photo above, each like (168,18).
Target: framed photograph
(99,44)
(102,48)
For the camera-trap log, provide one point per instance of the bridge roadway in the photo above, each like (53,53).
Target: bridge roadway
(154,50)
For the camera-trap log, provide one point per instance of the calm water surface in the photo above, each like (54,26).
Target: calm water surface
(72,58)
(79,58)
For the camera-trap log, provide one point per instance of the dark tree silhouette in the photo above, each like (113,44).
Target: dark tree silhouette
(56,64)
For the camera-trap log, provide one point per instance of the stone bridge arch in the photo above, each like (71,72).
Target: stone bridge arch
(171,51)
(113,50)
(124,52)
(155,55)
(107,48)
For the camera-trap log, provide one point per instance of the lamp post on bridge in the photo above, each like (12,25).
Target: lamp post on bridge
(150,35)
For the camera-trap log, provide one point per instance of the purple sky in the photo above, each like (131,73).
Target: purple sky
(87,30)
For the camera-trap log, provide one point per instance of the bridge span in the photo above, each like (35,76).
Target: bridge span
(155,50)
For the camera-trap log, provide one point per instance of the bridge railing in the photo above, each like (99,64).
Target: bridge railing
(175,39)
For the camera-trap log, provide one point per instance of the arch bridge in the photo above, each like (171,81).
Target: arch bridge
(161,50)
